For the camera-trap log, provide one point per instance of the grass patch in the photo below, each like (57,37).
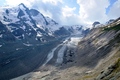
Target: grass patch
(117,66)
(89,76)
(116,27)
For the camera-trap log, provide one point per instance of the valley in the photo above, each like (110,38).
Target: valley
(55,58)
(33,46)
(95,57)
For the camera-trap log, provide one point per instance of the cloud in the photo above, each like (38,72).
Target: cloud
(54,2)
(69,17)
(115,10)
(51,8)
(61,12)
(15,3)
(93,10)
(67,11)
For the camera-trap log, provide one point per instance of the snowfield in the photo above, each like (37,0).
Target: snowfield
(74,41)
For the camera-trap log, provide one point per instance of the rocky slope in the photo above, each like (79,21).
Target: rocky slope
(100,51)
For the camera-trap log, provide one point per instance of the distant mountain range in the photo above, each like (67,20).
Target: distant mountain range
(30,25)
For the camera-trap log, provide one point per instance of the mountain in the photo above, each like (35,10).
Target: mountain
(26,37)
(110,21)
(96,57)
(100,51)
(28,40)
(95,24)
(5,34)
(26,24)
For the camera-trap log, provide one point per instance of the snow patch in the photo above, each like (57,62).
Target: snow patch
(10,28)
(27,44)
(39,20)
(23,36)
(39,34)
(0,45)
(1,35)
(74,41)
(23,27)
(18,49)
(39,26)
(28,22)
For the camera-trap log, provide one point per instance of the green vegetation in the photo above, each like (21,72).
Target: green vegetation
(116,27)
(117,65)
(89,76)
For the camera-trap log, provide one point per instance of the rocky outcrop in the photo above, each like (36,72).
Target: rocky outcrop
(95,23)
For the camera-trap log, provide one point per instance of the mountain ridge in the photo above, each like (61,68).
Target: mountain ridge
(24,20)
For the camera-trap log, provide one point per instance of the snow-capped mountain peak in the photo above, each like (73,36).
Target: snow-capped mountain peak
(25,24)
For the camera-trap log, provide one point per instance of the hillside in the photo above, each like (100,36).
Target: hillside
(100,51)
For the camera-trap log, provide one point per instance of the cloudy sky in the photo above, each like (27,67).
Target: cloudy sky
(71,12)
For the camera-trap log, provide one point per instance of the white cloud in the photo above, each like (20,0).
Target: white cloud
(115,10)
(68,16)
(67,11)
(89,11)
(51,8)
(17,2)
(54,2)
(93,10)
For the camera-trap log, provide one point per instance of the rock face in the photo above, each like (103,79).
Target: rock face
(110,21)
(5,34)
(95,24)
